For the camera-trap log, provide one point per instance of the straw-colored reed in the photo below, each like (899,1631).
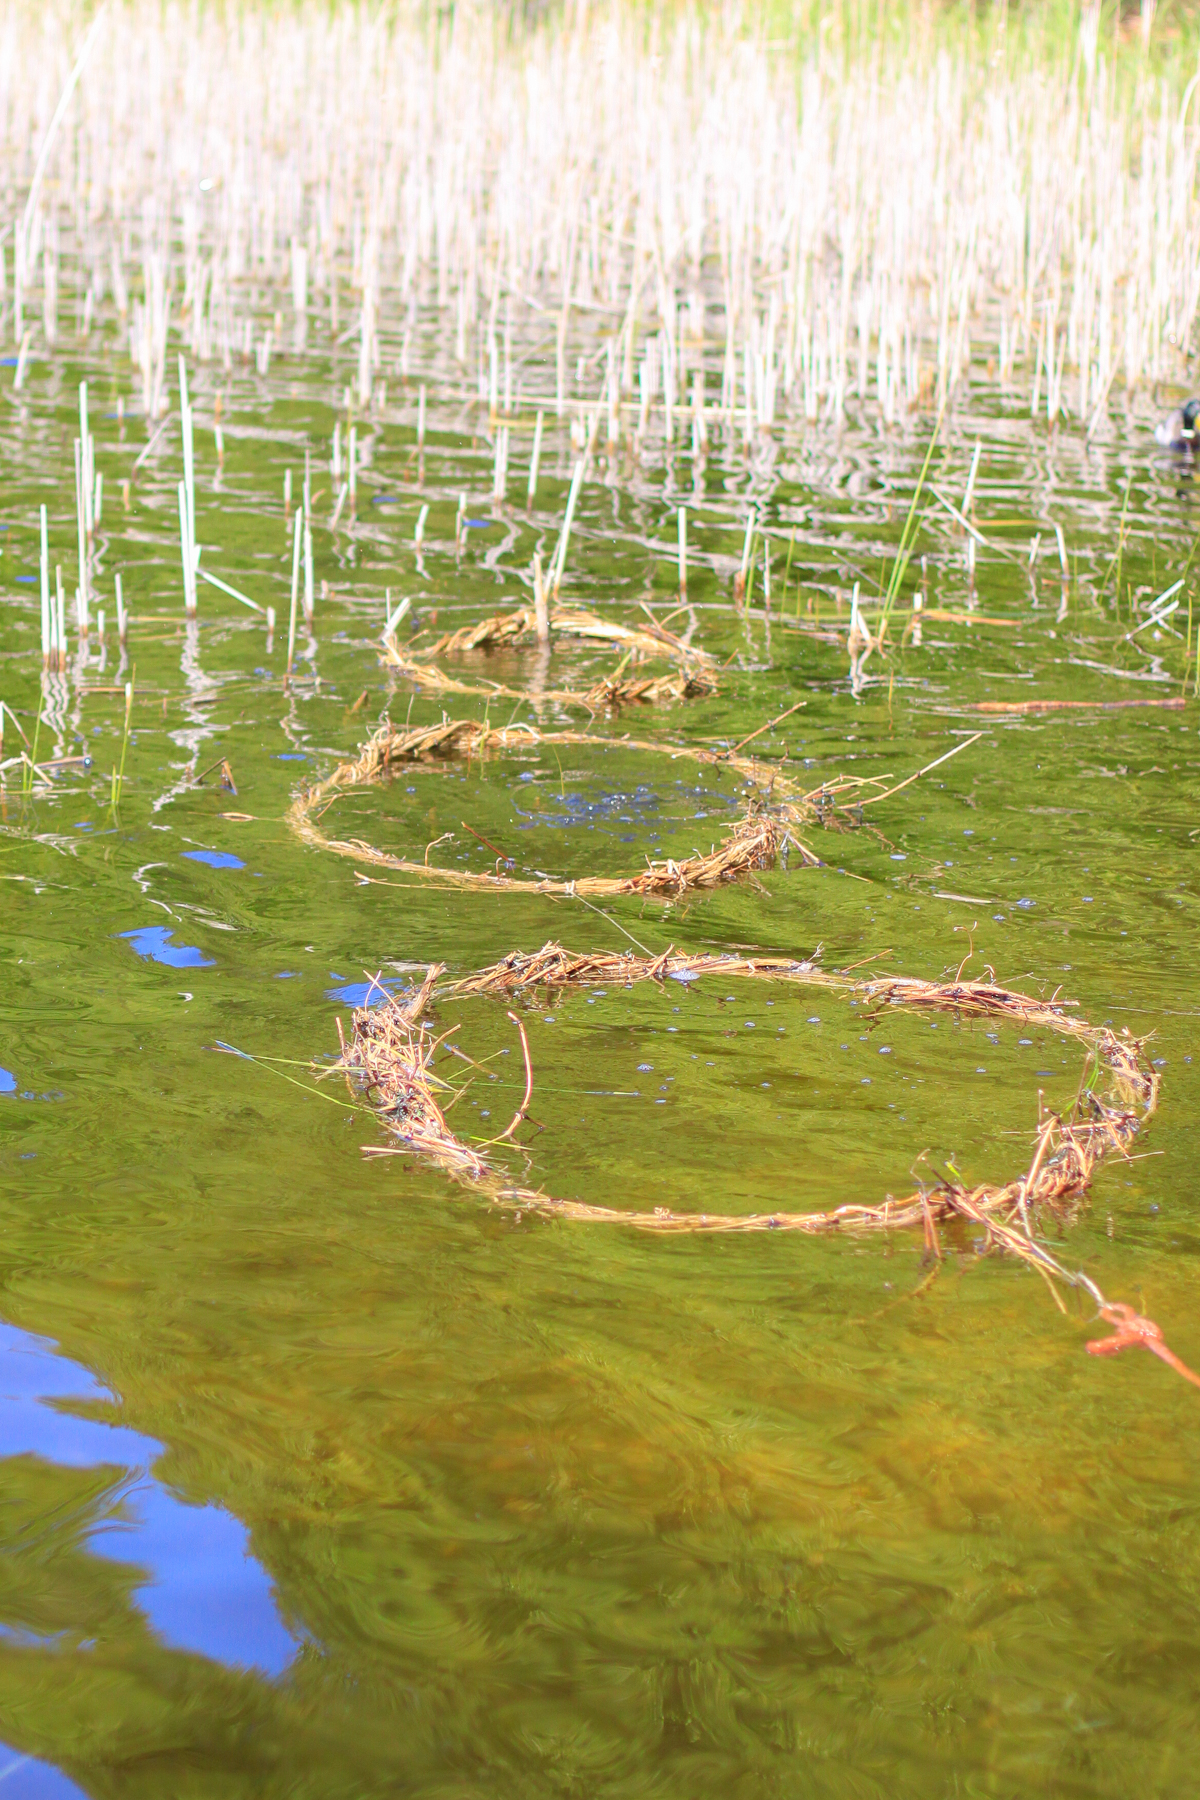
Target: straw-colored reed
(777,813)
(609,694)
(520,626)
(1066,1152)
(693,677)
(393,1046)
(848,211)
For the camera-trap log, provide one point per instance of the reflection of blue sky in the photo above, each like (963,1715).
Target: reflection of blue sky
(216,859)
(25,1778)
(154,943)
(581,809)
(365,993)
(638,805)
(203,1590)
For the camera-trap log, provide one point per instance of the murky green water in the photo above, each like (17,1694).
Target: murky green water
(341,1483)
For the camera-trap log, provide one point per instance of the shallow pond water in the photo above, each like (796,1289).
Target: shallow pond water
(323,1476)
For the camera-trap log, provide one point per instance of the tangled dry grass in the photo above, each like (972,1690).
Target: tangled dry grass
(520,626)
(694,675)
(393,1046)
(392,1053)
(390,1056)
(609,694)
(778,812)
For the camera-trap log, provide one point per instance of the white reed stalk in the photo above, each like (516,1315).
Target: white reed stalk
(970,487)
(353,467)
(393,618)
(81,533)
(536,458)
(297,540)
(299,278)
(88,456)
(858,638)
(682,549)
(44,572)
(186,554)
(560,560)
(500,465)
(62,622)
(234,593)
(541,611)
(309,585)
(365,346)
(421,421)
(189,459)
(747,546)
(419,528)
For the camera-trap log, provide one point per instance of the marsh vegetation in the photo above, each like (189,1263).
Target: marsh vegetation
(597,832)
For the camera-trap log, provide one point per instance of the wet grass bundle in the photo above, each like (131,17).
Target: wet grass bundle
(392,1051)
(610,693)
(752,843)
(390,1058)
(396,747)
(777,813)
(502,629)
(615,691)
(489,634)
(554,967)
(1067,1148)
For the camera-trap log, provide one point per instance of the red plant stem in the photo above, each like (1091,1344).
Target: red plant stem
(1130,1328)
(524,1106)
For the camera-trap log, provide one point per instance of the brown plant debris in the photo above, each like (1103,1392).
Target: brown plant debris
(1044,706)
(754,842)
(613,691)
(552,966)
(390,1056)
(1067,1149)
(650,639)
(392,1050)
(772,823)
(609,693)
(940,616)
